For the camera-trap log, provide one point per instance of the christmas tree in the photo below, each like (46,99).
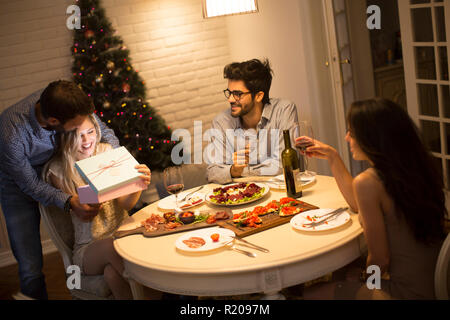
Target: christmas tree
(103,69)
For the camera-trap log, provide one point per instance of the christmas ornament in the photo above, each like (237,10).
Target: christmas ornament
(89,34)
(110,65)
(98,50)
(125,87)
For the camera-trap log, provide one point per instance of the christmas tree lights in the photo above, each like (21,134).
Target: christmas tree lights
(103,69)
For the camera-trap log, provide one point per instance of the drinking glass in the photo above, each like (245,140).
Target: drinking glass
(304,128)
(173,181)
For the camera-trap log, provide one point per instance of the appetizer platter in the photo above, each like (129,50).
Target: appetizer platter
(237,194)
(260,218)
(171,222)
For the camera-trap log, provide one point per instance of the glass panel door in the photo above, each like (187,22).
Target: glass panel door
(425,30)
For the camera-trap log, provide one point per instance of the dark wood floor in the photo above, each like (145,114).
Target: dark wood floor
(56,282)
(57,289)
(54,277)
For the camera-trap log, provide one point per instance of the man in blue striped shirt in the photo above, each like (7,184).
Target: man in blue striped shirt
(28,136)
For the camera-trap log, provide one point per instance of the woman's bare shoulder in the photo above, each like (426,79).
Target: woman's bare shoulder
(368,180)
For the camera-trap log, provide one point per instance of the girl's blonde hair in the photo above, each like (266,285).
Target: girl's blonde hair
(66,157)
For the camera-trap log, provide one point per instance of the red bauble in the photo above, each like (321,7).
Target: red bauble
(89,34)
(125,87)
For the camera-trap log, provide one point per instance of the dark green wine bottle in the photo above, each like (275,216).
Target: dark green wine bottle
(291,168)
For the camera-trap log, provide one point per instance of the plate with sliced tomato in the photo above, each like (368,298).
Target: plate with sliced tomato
(301,220)
(204,239)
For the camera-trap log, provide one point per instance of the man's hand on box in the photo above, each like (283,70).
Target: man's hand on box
(84,212)
(146,173)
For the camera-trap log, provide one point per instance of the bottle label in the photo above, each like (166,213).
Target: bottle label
(297,180)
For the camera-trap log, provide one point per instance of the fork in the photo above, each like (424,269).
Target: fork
(185,197)
(328,216)
(247,253)
(254,246)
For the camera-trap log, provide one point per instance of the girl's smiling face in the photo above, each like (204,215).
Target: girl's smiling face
(87,137)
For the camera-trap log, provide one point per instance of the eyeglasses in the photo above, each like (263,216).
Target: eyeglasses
(236,94)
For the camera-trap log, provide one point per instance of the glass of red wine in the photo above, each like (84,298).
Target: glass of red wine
(304,129)
(173,181)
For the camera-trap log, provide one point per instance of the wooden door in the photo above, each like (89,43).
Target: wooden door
(339,62)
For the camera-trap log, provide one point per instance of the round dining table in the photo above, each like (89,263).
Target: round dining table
(295,256)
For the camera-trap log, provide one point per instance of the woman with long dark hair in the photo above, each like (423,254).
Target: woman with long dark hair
(400,199)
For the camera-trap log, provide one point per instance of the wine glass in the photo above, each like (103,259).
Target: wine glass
(173,181)
(304,128)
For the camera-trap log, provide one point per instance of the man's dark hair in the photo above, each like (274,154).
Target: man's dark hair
(64,100)
(257,76)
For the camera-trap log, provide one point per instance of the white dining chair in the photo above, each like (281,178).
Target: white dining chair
(442,272)
(60,229)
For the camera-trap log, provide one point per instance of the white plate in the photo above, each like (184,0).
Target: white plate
(299,220)
(261,185)
(274,183)
(168,203)
(225,236)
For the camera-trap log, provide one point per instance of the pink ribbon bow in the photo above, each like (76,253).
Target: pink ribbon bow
(112,164)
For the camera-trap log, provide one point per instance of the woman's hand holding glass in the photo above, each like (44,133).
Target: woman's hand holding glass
(318,150)
(304,129)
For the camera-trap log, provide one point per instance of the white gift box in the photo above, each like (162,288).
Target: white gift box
(110,175)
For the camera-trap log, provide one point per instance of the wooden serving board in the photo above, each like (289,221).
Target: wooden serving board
(270,220)
(162,231)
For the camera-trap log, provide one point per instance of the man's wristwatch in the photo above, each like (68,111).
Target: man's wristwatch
(67,206)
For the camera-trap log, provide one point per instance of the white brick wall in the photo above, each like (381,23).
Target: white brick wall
(179,54)
(34,47)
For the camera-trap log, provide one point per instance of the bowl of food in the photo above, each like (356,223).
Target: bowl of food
(170,217)
(186,217)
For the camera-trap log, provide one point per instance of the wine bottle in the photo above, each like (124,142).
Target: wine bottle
(291,168)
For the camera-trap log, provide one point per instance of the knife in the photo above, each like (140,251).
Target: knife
(251,244)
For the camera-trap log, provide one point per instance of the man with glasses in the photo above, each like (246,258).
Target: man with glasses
(255,120)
